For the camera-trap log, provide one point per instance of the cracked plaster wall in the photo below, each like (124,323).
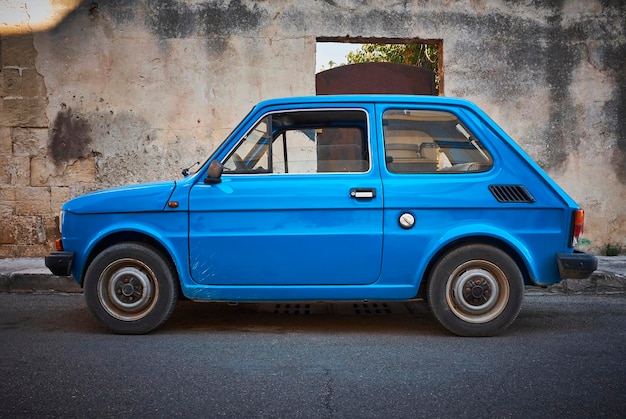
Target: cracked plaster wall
(133,91)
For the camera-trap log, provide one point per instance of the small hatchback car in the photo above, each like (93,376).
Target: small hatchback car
(333,198)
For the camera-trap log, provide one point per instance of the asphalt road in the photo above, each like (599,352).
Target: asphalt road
(565,356)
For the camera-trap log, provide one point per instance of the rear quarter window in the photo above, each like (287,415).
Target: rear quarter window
(422,141)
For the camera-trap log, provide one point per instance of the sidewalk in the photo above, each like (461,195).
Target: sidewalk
(31,275)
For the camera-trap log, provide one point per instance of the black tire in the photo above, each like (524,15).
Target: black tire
(131,288)
(476,290)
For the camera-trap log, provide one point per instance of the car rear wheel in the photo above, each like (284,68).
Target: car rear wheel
(131,288)
(476,290)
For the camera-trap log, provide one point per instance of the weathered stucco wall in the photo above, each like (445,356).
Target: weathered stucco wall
(133,91)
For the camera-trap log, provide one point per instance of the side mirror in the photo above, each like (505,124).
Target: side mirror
(214,175)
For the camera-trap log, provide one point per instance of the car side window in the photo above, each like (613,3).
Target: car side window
(312,141)
(421,141)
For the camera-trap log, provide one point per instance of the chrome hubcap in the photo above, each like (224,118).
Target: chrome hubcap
(127,289)
(477,291)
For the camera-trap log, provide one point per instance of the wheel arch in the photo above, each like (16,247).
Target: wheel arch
(479,239)
(129,236)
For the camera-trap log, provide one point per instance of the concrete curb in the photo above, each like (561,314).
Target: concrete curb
(31,275)
(31,281)
(609,278)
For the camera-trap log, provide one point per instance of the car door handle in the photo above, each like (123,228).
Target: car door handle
(363,193)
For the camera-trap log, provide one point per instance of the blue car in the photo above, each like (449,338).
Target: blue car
(333,198)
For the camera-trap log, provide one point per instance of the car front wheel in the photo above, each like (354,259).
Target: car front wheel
(131,288)
(476,290)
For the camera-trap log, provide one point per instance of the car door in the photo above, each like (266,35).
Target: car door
(299,203)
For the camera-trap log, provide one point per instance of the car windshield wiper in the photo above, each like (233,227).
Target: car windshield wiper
(185,171)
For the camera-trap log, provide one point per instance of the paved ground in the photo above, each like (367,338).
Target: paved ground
(562,358)
(30,274)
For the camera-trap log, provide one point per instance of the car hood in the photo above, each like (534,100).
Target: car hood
(134,198)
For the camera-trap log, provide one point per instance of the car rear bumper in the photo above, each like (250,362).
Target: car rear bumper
(577,265)
(60,263)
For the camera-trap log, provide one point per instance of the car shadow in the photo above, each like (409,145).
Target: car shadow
(382,318)
(345,317)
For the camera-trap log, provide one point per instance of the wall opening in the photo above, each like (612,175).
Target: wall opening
(425,53)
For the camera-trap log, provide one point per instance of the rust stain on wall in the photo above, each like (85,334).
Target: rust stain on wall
(70,137)
(615,58)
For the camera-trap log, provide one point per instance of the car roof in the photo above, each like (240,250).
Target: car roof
(368,98)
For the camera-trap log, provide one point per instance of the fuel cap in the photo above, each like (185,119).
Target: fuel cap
(406,220)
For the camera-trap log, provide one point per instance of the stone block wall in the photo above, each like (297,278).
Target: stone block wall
(27,204)
(131,91)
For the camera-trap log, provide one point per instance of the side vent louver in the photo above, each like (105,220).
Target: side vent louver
(511,194)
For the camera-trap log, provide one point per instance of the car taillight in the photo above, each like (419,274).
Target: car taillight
(58,244)
(578,224)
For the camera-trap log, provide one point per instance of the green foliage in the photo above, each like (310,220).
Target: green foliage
(422,55)
(612,249)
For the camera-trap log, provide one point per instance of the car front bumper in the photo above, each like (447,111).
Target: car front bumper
(577,265)
(60,263)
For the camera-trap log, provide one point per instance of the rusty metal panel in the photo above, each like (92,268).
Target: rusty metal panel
(376,78)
